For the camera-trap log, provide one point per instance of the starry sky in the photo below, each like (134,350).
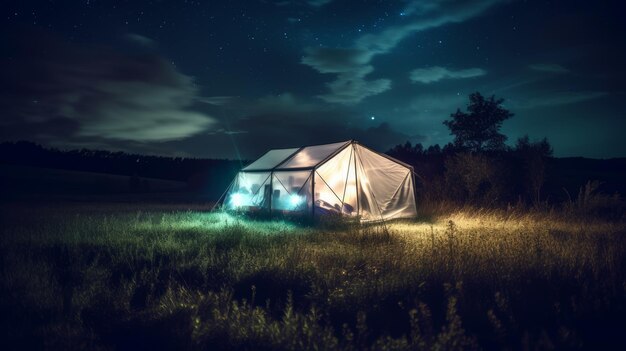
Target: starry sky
(230,79)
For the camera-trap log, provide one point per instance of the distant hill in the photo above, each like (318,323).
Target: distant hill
(207,176)
(36,183)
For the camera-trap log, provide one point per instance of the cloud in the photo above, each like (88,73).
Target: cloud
(437,73)
(227,131)
(140,40)
(287,120)
(352,64)
(549,67)
(336,60)
(350,87)
(217,100)
(96,94)
(558,99)
(423,15)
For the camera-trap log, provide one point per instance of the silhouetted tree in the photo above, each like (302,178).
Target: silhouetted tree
(533,157)
(407,152)
(433,149)
(478,129)
(541,147)
(475,178)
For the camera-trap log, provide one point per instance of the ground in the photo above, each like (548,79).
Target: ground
(137,275)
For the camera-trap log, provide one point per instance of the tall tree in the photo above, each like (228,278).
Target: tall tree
(478,129)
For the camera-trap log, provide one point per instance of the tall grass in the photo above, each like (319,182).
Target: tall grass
(111,277)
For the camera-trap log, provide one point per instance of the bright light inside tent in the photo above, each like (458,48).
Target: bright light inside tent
(238,199)
(295,200)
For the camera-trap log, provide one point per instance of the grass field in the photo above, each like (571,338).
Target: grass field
(87,276)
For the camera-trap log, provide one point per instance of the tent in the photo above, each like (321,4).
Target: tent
(343,178)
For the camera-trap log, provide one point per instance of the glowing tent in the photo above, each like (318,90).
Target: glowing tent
(342,178)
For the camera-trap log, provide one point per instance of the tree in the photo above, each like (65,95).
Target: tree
(407,152)
(541,147)
(533,157)
(478,129)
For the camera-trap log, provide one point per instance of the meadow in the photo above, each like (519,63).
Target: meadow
(141,276)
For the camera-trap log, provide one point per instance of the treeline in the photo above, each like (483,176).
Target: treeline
(479,168)
(526,174)
(488,177)
(208,175)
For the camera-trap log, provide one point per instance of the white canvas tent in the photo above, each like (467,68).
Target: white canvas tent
(343,178)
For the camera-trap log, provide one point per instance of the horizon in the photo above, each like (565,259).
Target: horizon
(128,153)
(232,80)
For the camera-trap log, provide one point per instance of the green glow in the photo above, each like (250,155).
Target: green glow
(295,200)
(238,200)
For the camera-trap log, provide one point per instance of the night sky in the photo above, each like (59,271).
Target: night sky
(234,78)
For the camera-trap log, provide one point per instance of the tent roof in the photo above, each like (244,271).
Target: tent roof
(270,159)
(302,158)
(305,157)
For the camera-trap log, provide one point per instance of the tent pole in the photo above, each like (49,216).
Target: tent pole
(414,191)
(345,185)
(271,191)
(224,193)
(313,195)
(356,180)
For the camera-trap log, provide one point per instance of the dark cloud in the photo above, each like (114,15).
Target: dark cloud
(559,66)
(278,130)
(350,86)
(48,129)
(251,127)
(95,93)
(335,60)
